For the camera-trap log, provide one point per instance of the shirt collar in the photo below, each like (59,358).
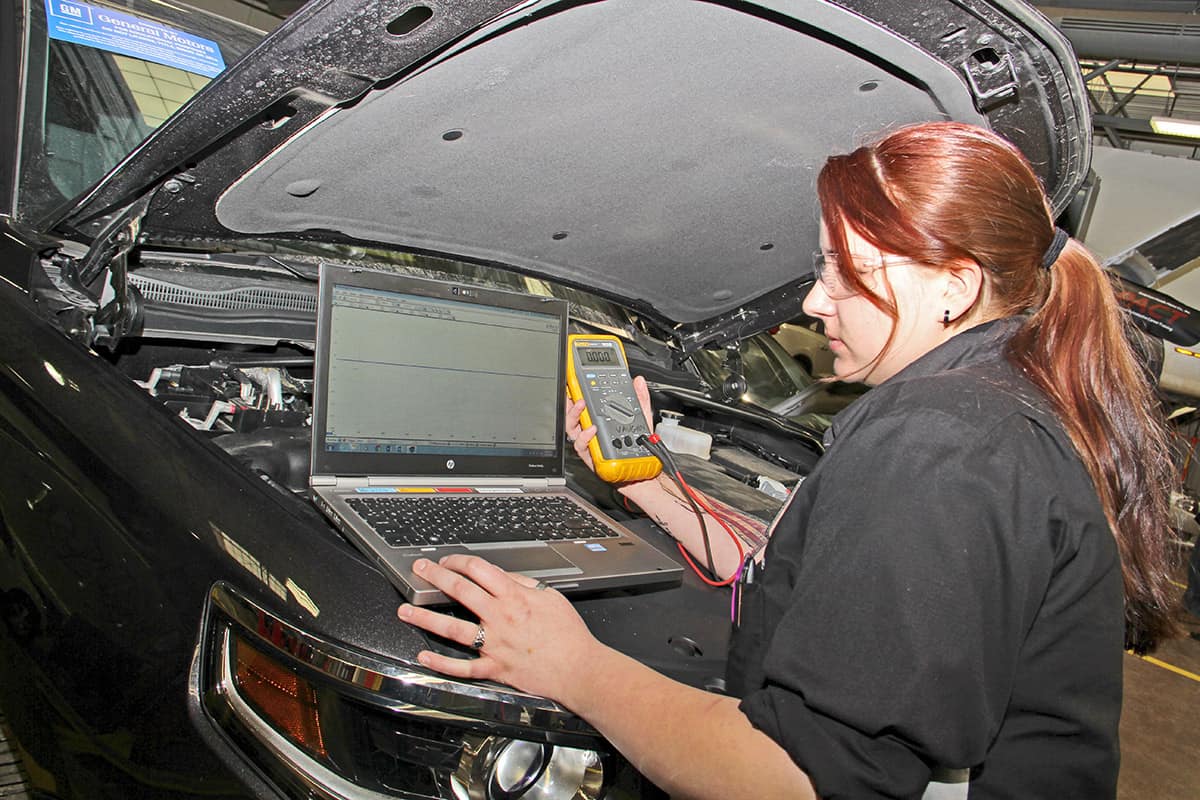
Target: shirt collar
(963,349)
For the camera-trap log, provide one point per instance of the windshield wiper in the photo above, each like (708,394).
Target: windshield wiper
(800,400)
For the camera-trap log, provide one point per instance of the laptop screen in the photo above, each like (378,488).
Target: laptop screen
(424,378)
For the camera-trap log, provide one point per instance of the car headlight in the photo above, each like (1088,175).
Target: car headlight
(498,768)
(322,721)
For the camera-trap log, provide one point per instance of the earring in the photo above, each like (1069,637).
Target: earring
(946,317)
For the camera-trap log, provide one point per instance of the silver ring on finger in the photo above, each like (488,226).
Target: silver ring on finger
(541,586)
(480,638)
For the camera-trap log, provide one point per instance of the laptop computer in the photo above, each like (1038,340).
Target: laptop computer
(437,405)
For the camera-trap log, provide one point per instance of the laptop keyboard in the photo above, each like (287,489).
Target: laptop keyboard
(424,521)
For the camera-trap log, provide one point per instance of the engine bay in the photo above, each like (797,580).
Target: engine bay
(255,403)
(227,347)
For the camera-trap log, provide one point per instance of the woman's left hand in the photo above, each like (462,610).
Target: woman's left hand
(532,637)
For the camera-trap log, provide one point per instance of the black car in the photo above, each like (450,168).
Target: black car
(178,620)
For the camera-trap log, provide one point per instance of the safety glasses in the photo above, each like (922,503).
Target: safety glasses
(827,272)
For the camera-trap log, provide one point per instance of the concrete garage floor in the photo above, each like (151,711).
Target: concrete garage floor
(1160,721)
(1160,726)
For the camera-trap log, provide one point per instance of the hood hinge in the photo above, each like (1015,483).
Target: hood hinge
(726,329)
(91,299)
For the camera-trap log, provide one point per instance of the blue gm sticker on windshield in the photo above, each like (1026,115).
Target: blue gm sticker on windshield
(103,28)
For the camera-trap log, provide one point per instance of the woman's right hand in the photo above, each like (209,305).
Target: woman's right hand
(528,635)
(580,436)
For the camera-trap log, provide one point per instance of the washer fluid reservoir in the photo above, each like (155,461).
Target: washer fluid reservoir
(679,439)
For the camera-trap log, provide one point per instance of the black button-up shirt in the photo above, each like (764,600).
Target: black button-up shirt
(943,590)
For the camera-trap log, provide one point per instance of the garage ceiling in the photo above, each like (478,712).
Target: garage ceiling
(1142,62)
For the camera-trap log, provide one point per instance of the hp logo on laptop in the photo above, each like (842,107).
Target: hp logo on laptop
(450,464)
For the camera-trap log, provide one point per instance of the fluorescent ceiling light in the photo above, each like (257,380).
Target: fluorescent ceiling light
(1171,126)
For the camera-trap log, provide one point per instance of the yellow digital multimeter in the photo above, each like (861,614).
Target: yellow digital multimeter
(598,372)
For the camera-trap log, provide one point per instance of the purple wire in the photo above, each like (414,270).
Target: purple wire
(733,595)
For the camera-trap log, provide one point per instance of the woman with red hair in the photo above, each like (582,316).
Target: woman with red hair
(943,602)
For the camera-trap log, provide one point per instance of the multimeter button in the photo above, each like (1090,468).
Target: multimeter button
(617,443)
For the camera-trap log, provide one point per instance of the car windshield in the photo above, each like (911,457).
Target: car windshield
(586,308)
(775,381)
(771,375)
(99,78)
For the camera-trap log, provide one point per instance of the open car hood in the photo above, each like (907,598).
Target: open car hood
(662,154)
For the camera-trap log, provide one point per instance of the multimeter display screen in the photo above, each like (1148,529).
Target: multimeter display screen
(599,356)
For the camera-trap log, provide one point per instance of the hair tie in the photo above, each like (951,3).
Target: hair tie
(1055,249)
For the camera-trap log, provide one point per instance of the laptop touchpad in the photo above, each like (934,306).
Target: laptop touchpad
(537,562)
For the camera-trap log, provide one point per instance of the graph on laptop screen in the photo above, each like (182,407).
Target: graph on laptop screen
(421,375)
